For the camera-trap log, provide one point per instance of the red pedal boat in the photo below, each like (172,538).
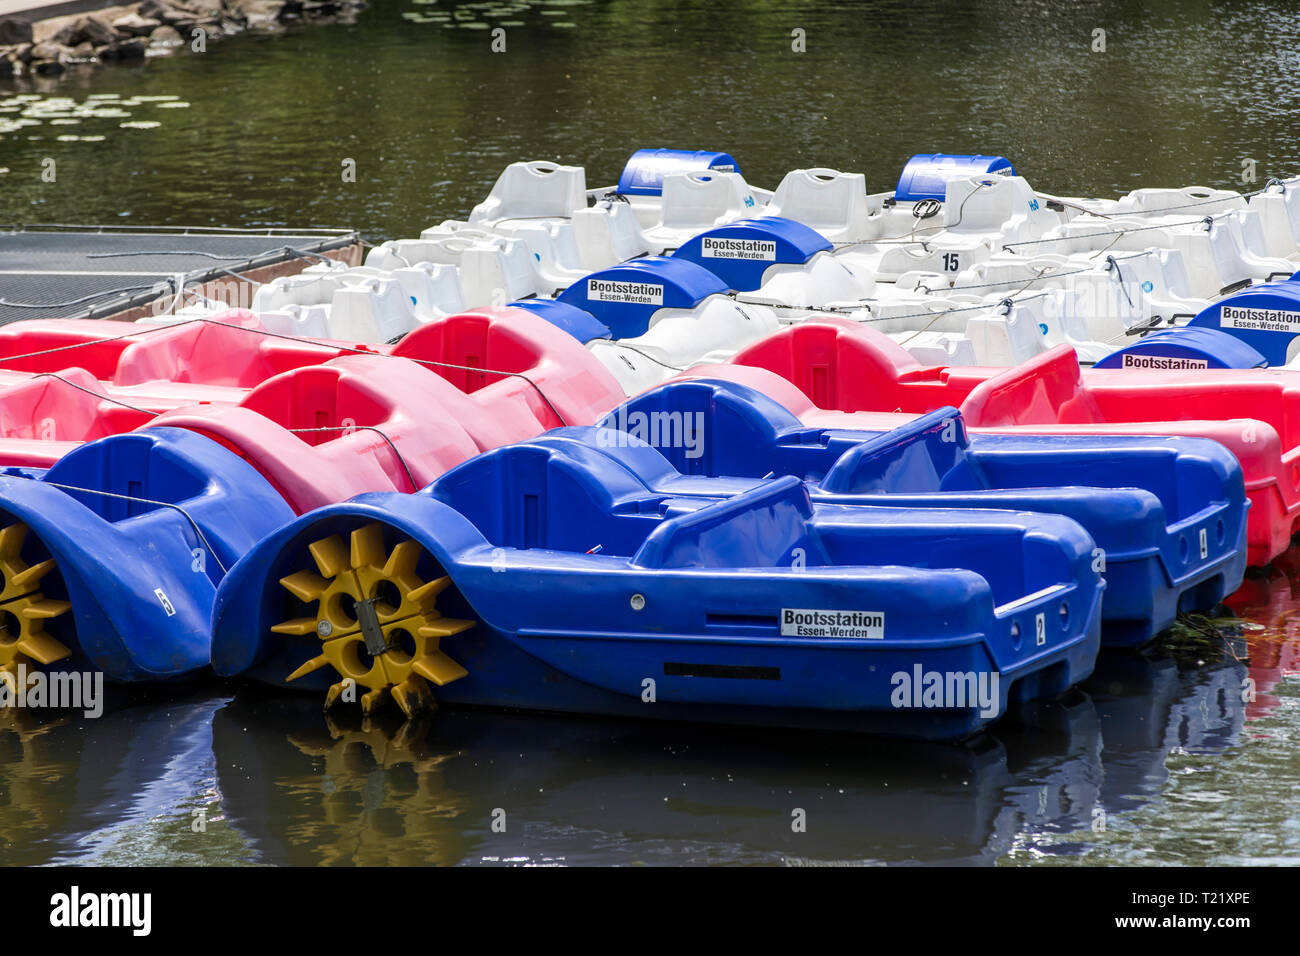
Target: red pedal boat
(838,374)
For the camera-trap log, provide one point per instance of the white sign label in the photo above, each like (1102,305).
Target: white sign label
(1167,363)
(639,293)
(1265,320)
(167,605)
(758,249)
(1205,544)
(810,622)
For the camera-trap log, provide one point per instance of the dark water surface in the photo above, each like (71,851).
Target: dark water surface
(1156,760)
(1183,94)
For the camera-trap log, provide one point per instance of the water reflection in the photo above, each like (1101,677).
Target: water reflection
(1272,601)
(245,776)
(117,789)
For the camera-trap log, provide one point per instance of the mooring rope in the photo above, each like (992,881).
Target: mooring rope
(415,485)
(148,501)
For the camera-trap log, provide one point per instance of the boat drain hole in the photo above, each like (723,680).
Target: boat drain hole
(357,657)
(401,646)
(343,607)
(387,597)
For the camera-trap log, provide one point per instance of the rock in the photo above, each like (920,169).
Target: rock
(166,36)
(47,67)
(49,50)
(15,31)
(23,52)
(85,29)
(7,66)
(168,14)
(260,9)
(234,14)
(135,25)
(68,35)
(292,10)
(83,51)
(133,49)
(209,25)
(157,10)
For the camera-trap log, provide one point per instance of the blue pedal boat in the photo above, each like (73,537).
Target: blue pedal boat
(111,558)
(1168,514)
(548,575)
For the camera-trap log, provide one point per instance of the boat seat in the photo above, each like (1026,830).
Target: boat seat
(825,280)
(569,499)
(533,190)
(325,433)
(827,200)
(305,321)
(43,418)
(98,357)
(210,353)
(433,288)
(553,243)
(305,288)
(1004,206)
(680,338)
(1279,221)
(695,201)
(607,234)
(562,383)
(492,269)
(378,310)
(1188,200)
(768,527)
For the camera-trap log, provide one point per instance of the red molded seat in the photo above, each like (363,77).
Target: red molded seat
(227,351)
(559,381)
(435,415)
(383,426)
(840,364)
(160,367)
(93,351)
(42,418)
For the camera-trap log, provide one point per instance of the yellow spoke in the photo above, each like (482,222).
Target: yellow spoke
(298,627)
(42,648)
(330,556)
(306,586)
(315,664)
(368,546)
(439,668)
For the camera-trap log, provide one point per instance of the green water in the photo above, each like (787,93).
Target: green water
(1156,760)
(1184,92)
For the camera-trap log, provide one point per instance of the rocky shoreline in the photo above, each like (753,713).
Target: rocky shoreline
(133,31)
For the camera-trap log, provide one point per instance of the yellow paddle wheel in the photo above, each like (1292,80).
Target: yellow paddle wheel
(24,609)
(377,620)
